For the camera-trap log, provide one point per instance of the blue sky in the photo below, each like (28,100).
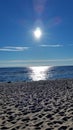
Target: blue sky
(18,20)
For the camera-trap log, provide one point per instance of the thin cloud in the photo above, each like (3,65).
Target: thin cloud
(23,63)
(51,45)
(11,48)
(38,61)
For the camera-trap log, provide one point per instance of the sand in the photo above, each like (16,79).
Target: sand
(42,105)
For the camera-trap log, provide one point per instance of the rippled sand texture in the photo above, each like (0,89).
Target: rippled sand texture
(43,105)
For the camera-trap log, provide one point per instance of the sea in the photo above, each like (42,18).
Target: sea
(35,73)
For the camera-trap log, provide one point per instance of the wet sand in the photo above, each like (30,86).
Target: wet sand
(42,105)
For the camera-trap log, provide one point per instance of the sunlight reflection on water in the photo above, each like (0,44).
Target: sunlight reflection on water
(39,73)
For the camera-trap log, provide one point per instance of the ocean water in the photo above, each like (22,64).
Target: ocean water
(35,73)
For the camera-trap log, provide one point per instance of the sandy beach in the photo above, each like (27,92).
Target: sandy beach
(42,105)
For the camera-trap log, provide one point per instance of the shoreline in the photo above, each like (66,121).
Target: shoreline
(42,105)
(57,79)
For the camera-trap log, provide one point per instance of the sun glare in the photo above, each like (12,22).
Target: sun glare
(39,73)
(38,33)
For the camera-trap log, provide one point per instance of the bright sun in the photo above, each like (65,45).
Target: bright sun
(38,33)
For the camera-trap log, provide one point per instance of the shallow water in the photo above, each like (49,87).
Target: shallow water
(35,73)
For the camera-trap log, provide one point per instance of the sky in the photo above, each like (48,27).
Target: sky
(18,21)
